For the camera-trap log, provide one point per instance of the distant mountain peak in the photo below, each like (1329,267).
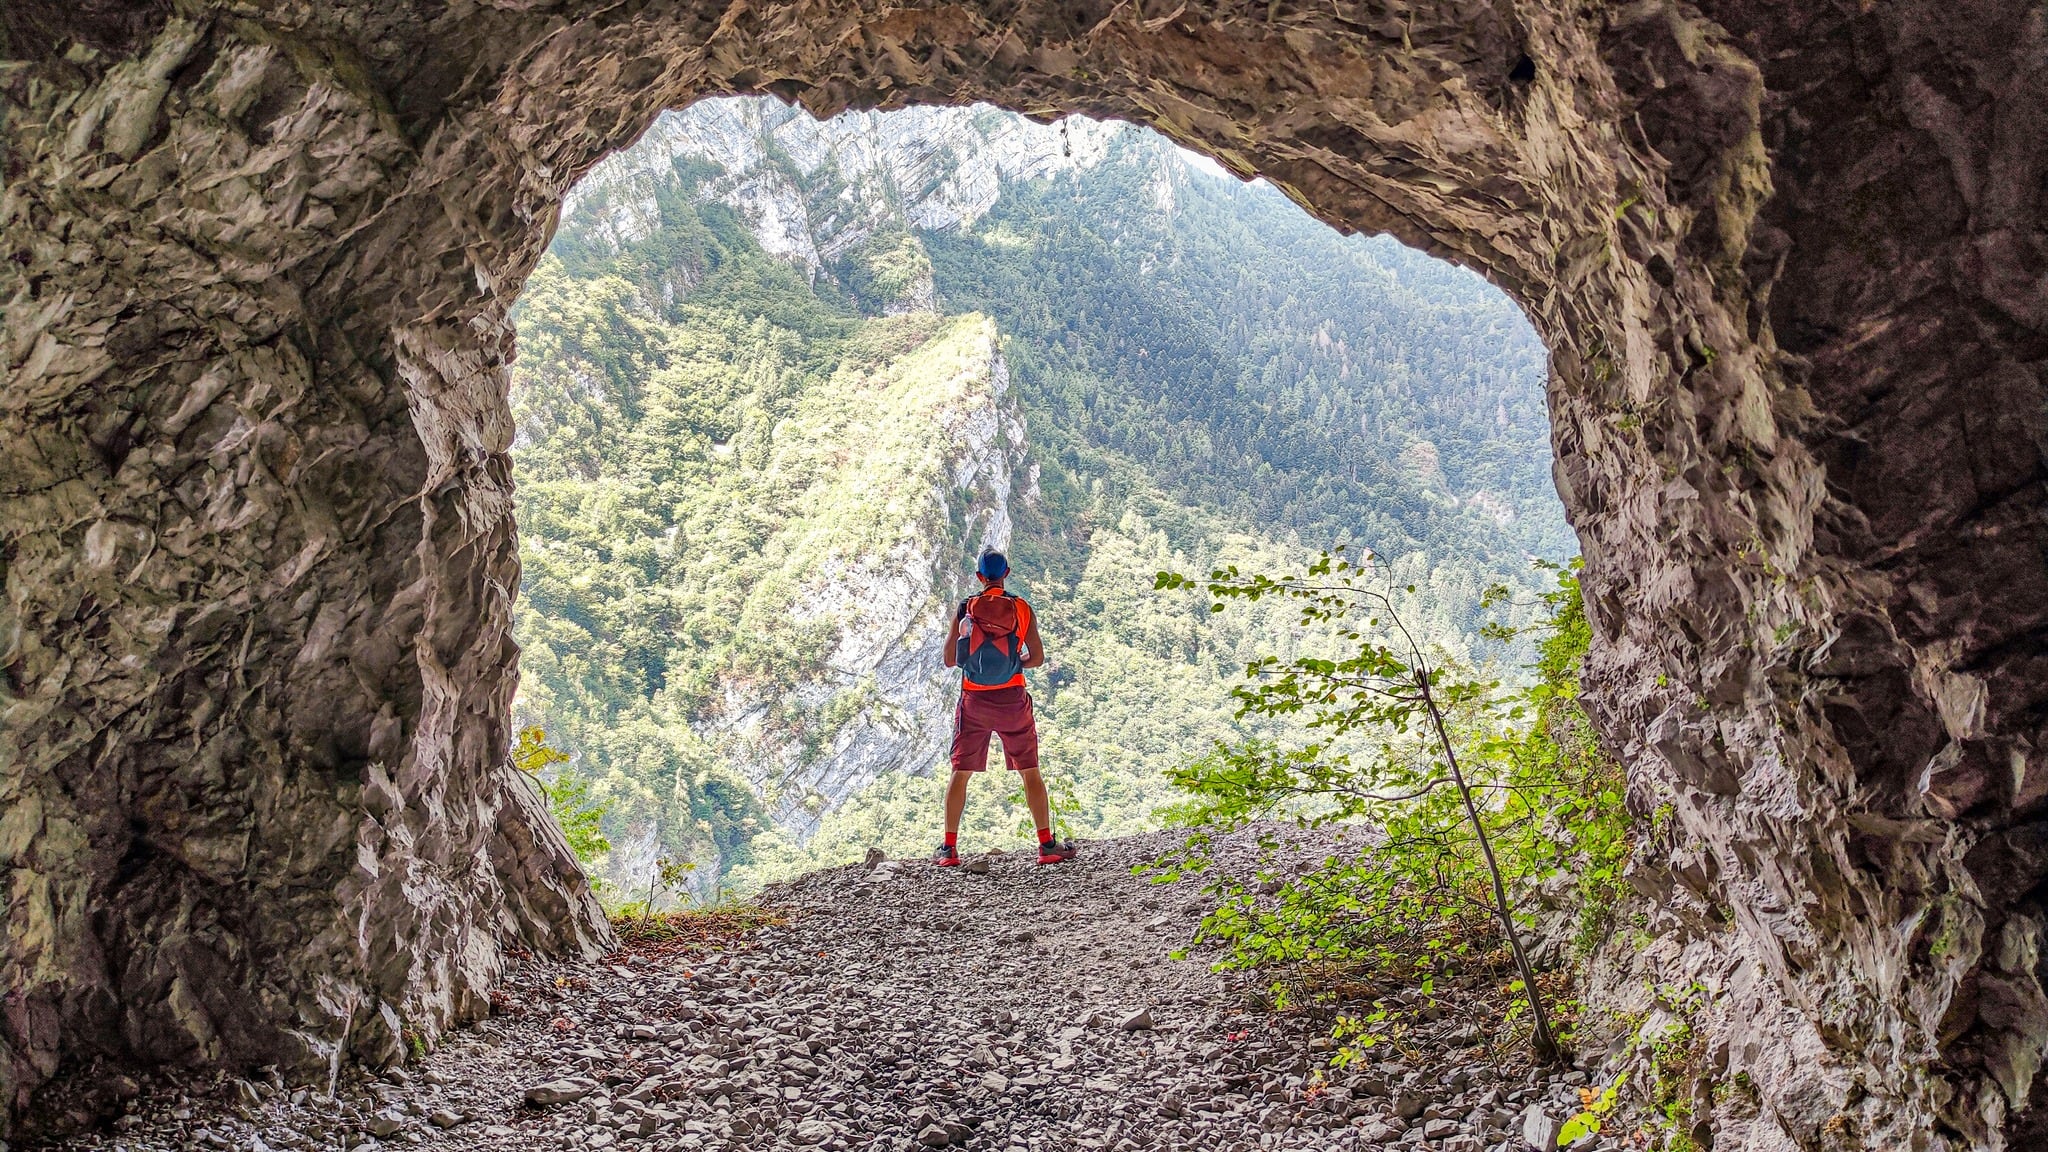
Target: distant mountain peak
(814,191)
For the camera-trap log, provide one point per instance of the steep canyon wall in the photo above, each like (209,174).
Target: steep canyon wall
(258,549)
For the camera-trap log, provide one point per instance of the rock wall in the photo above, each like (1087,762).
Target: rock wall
(258,808)
(1788,258)
(813,191)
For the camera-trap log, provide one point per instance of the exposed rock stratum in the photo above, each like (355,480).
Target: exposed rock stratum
(258,542)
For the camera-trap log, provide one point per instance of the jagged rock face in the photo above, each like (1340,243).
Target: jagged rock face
(811,192)
(1788,259)
(891,611)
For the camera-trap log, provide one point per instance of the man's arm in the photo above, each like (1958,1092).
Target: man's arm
(953,634)
(1034,653)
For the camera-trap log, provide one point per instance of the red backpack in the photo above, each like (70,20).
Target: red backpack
(991,655)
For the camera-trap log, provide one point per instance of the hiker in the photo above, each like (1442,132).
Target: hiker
(993,640)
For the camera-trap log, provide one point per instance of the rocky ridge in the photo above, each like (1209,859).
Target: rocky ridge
(814,190)
(889,607)
(999,1006)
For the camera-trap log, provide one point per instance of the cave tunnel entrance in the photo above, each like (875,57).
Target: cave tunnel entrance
(780,380)
(259,550)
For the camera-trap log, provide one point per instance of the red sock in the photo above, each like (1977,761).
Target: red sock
(952,839)
(1044,836)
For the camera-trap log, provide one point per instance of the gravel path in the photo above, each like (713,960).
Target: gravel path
(997,1006)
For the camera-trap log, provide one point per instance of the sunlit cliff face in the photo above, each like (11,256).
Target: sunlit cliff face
(259,551)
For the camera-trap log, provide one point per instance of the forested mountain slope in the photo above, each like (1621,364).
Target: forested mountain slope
(779,381)
(1210,337)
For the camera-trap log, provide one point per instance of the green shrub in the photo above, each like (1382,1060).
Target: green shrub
(1467,790)
(568,797)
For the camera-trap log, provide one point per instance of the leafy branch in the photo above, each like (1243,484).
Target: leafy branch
(1454,771)
(568,798)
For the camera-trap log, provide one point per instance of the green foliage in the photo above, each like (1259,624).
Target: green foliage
(669,876)
(1457,774)
(880,272)
(692,931)
(1204,339)
(1589,1119)
(1670,1051)
(1588,833)
(568,798)
(1666,1060)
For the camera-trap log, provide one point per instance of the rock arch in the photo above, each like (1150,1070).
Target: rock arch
(255,512)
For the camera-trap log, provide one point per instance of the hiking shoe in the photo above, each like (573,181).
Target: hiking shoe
(1055,851)
(947,856)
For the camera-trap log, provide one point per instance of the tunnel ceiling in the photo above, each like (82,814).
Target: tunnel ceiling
(257,536)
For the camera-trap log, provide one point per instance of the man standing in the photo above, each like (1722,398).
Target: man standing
(993,640)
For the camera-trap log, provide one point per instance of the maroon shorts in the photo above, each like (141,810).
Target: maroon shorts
(1004,712)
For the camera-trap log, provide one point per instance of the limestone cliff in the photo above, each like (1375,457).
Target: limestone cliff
(887,607)
(875,697)
(823,193)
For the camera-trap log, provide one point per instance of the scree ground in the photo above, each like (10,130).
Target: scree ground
(898,1006)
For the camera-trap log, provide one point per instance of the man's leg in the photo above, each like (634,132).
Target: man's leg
(1035,797)
(1050,850)
(971,735)
(956,802)
(1020,749)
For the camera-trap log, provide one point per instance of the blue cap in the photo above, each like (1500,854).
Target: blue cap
(993,566)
